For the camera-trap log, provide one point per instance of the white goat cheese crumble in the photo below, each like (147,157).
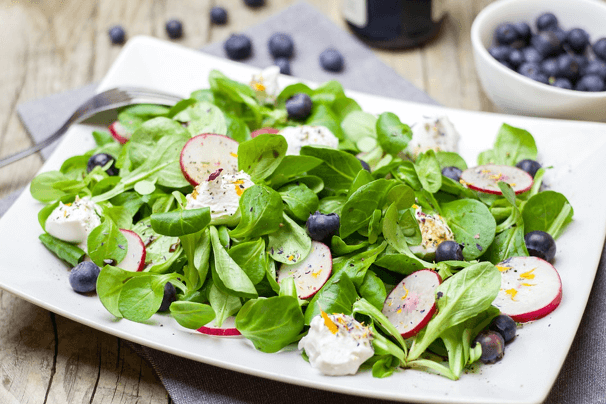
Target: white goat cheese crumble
(299,136)
(73,222)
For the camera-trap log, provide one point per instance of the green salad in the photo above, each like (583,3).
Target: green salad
(139,217)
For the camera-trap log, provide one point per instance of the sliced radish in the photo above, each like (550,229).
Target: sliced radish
(135,254)
(227,329)
(261,131)
(412,303)
(204,154)
(119,132)
(485,178)
(311,273)
(530,288)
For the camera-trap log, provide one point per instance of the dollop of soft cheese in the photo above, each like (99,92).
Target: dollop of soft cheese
(434,230)
(337,344)
(299,136)
(73,222)
(221,195)
(436,133)
(265,83)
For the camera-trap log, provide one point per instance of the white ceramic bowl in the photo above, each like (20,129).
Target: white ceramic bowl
(514,93)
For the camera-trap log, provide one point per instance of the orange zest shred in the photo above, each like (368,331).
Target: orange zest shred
(315,274)
(528,274)
(502,268)
(512,293)
(527,284)
(233,154)
(258,86)
(329,323)
(239,190)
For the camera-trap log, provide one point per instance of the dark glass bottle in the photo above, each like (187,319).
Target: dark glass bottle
(391,24)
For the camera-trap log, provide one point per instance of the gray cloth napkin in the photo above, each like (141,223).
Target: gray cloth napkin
(583,377)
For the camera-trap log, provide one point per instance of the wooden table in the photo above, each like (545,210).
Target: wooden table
(47,46)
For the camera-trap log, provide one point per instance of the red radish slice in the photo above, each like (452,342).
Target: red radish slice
(485,178)
(530,288)
(311,273)
(135,254)
(261,131)
(202,155)
(227,329)
(412,303)
(119,132)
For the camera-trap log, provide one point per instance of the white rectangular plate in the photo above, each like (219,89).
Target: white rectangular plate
(532,361)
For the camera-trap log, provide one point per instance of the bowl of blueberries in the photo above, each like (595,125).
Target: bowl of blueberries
(543,58)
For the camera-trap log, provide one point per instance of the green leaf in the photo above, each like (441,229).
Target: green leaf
(106,242)
(272,323)
(142,296)
(299,199)
(261,212)
(192,315)
(102,138)
(290,243)
(392,134)
(339,247)
(338,169)
(180,222)
(428,170)
(343,106)
(109,285)
(451,159)
(336,296)
(131,117)
(223,304)
(250,256)
(513,145)
(373,290)
(542,210)
(472,225)
(361,205)
(290,167)
(322,115)
(358,125)
(507,244)
(205,117)
(357,264)
(69,253)
(42,188)
(260,156)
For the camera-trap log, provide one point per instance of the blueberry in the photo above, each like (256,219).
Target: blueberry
(568,67)
(546,43)
(281,45)
(83,277)
(533,71)
(581,60)
(523,30)
(174,29)
(599,48)
(590,82)
(500,53)
(117,34)
(454,173)
(577,39)
(493,346)
(540,244)
(596,67)
(283,64)
(516,58)
(506,34)
(298,106)
(238,47)
(449,251)
(560,33)
(546,21)
(504,325)
(101,159)
(549,67)
(321,227)
(218,15)
(331,60)
(506,64)
(254,3)
(530,166)
(531,55)
(364,164)
(170,295)
(562,83)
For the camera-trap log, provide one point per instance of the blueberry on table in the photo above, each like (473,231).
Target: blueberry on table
(523,30)
(599,48)
(530,166)
(364,165)
(174,29)
(281,45)
(298,106)
(531,55)
(101,160)
(331,60)
(546,21)
(549,67)
(83,277)
(170,295)
(568,67)
(454,173)
(283,64)
(516,58)
(117,34)
(218,15)
(504,325)
(254,3)
(321,227)
(562,83)
(590,82)
(500,53)
(577,39)
(493,346)
(540,244)
(449,251)
(595,67)
(506,34)
(546,43)
(238,47)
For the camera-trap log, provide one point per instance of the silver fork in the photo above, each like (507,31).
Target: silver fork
(110,99)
